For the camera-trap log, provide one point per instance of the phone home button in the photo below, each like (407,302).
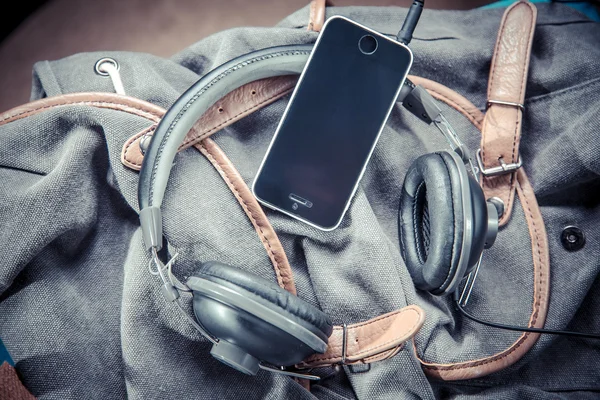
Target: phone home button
(367,44)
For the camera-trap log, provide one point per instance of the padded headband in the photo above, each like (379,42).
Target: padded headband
(183,114)
(181,117)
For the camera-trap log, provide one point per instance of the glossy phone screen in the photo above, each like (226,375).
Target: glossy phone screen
(329,130)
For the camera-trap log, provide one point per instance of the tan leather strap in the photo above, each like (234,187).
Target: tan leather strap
(111,101)
(316,17)
(506,94)
(373,340)
(253,210)
(247,99)
(231,108)
(11,387)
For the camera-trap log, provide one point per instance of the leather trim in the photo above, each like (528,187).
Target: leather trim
(255,213)
(369,341)
(268,90)
(452,98)
(131,155)
(231,108)
(317,15)
(502,123)
(100,100)
(11,387)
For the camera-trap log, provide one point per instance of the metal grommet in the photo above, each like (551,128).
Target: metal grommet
(106,60)
(572,238)
(144,143)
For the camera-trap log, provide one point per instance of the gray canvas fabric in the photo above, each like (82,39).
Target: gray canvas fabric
(83,318)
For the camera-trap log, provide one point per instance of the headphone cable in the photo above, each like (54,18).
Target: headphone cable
(521,329)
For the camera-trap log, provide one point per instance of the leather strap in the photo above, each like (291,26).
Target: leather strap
(373,340)
(506,94)
(111,101)
(317,15)
(231,108)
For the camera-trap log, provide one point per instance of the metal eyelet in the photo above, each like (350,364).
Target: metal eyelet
(101,62)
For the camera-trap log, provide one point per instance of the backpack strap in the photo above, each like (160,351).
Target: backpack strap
(499,156)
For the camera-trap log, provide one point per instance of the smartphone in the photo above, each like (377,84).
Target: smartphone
(329,129)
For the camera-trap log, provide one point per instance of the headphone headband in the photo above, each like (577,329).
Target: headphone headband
(181,116)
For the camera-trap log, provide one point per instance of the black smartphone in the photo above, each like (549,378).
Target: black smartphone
(327,134)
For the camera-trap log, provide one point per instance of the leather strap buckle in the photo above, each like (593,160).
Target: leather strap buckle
(502,169)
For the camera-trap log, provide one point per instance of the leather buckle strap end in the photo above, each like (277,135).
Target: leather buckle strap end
(502,169)
(501,130)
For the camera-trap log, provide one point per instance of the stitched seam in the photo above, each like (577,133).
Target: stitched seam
(87,103)
(244,204)
(533,318)
(195,97)
(361,354)
(134,140)
(204,134)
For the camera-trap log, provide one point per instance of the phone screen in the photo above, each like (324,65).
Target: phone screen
(331,125)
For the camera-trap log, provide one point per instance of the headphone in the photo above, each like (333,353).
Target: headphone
(252,322)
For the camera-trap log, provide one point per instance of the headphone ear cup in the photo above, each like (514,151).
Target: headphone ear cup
(431,221)
(254,319)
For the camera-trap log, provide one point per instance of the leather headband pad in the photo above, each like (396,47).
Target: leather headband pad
(430,221)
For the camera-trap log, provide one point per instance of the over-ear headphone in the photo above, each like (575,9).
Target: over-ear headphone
(444,222)
(249,319)
(253,323)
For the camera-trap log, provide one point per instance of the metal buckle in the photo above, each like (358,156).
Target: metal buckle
(506,103)
(502,169)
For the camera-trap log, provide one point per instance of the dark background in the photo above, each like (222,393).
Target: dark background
(36,30)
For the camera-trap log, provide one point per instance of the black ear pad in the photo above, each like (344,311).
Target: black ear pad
(255,319)
(431,221)
(269,293)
